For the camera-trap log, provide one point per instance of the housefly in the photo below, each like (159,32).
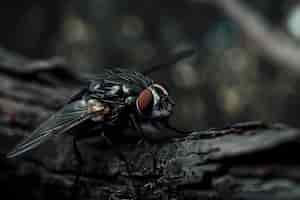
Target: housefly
(118,96)
(116,99)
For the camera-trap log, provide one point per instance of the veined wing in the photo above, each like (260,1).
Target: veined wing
(66,118)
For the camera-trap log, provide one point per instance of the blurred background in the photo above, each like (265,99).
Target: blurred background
(227,81)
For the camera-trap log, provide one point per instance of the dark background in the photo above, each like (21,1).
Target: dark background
(227,81)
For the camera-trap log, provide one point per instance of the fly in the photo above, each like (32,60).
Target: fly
(116,98)
(113,97)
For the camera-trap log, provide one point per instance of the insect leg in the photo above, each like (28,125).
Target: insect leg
(138,128)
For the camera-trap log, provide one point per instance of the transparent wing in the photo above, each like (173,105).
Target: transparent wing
(66,118)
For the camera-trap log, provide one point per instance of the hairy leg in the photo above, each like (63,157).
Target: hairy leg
(138,128)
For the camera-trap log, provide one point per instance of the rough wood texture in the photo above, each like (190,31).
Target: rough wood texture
(249,161)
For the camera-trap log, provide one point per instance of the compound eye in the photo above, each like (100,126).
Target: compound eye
(144,101)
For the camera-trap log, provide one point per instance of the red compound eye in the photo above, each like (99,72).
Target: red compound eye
(144,100)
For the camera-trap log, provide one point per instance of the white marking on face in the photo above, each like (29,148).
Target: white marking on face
(156,97)
(157,92)
(161,88)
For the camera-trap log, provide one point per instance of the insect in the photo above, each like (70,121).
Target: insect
(116,99)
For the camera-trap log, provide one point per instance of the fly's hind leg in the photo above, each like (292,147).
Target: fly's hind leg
(138,128)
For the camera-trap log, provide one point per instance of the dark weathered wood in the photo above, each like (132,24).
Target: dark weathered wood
(249,161)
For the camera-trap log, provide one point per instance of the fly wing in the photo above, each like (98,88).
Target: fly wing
(66,118)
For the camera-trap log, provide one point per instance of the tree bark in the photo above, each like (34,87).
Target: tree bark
(252,160)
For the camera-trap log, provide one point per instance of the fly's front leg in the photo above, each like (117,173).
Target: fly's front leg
(138,128)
